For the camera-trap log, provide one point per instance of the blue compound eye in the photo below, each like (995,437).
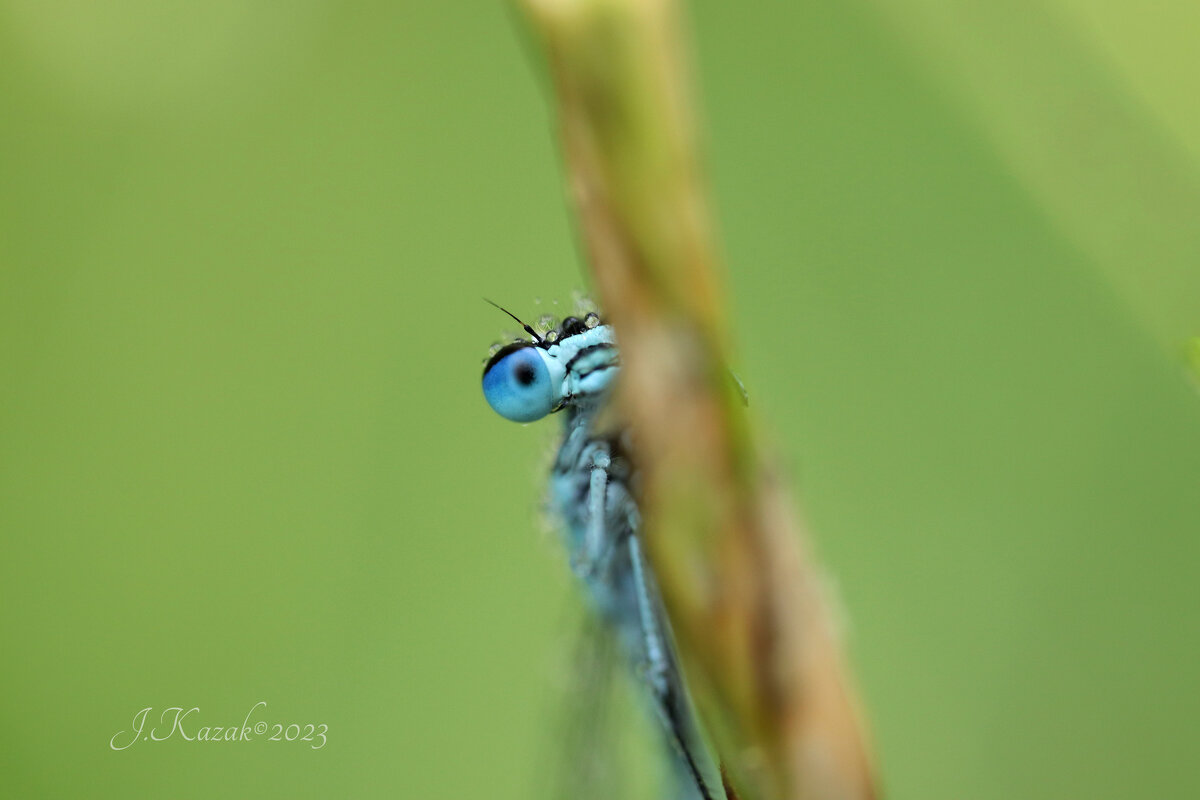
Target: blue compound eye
(516,384)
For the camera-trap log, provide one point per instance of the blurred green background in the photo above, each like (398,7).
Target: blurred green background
(244,455)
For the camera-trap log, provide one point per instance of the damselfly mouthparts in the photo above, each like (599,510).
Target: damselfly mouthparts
(571,369)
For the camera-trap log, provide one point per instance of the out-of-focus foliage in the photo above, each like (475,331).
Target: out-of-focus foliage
(243,454)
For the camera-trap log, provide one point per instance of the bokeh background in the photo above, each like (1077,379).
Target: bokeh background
(244,455)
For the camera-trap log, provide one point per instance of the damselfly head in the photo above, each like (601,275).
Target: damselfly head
(527,379)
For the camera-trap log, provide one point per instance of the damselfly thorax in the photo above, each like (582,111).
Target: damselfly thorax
(571,370)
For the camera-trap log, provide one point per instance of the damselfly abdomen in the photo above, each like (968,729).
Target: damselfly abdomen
(571,369)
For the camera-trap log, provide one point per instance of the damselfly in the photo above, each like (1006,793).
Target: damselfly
(571,368)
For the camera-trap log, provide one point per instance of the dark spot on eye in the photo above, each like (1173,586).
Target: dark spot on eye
(524,374)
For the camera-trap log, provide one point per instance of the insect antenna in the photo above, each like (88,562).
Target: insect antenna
(524,325)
